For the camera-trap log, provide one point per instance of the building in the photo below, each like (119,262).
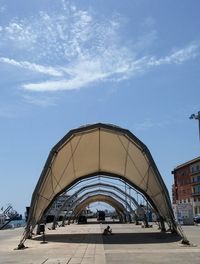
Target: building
(186,187)
(61,205)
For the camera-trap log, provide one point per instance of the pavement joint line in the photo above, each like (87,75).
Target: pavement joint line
(44,261)
(176,250)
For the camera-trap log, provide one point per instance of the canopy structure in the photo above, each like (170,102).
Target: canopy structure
(76,199)
(100,185)
(99,149)
(102,198)
(100,192)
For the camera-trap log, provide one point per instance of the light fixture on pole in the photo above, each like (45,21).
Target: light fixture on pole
(197,117)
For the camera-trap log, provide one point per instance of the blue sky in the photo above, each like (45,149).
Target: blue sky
(68,63)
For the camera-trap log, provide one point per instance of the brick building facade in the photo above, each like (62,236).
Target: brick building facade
(186,187)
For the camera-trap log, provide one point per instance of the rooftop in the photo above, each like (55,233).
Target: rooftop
(190,162)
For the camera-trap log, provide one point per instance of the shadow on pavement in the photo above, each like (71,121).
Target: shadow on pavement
(116,238)
(141,238)
(105,222)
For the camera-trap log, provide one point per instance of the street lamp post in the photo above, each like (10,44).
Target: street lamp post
(197,117)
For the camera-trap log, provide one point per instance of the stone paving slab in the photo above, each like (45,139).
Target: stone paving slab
(150,246)
(57,261)
(80,244)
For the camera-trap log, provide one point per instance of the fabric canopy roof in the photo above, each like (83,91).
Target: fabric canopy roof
(99,149)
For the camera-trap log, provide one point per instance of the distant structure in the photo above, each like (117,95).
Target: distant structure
(186,187)
(61,205)
(197,117)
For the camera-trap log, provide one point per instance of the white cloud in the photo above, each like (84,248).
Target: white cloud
(32,66)
(84,72)
(84,48)
(81,79)
(19,35)
(177,57)
(113,65)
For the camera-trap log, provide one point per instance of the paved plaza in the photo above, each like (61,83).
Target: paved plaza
(83,244)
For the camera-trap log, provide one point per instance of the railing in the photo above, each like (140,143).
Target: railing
(196,193)
(196,180)
(194,171)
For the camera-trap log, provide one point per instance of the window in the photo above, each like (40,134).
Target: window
(193,190)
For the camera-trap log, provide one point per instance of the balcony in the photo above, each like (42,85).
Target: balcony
(196,193)
(195,170)
(195,180)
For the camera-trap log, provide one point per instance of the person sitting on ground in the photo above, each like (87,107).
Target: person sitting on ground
(107,231)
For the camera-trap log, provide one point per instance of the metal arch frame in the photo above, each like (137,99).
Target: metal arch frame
(114,203)
(110,175)
(123,179)
(101,191)
(29,228)
(114,128)
(94,192)
(91,186)
(169,216)
(97,176)
(101,197)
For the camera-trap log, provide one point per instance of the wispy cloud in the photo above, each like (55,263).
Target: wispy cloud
(177,57)
(72,49)
(81,74)
(111,66)
(32,67)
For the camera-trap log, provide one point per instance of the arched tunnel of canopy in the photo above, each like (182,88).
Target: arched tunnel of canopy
(94,192)
(100,186)
(99,149)
(120,208)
